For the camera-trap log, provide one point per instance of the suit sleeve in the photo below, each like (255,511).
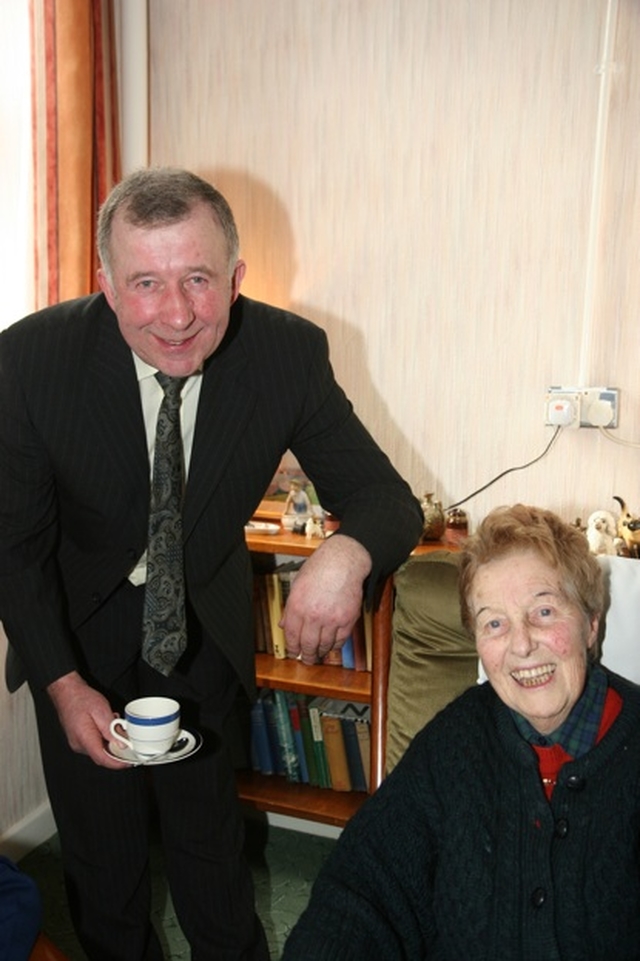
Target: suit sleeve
(31,597)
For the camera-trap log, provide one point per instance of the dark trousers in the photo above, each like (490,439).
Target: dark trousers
(103,819)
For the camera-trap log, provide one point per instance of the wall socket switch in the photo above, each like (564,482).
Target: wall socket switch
(582,407)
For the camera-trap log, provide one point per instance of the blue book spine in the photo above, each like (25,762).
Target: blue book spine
(260,750)
(272,731)
(348,659)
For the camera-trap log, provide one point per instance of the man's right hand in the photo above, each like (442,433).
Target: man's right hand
(85,716)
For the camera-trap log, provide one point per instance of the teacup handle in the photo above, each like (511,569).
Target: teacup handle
(113,727)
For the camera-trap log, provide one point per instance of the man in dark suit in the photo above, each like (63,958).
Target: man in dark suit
(78,406)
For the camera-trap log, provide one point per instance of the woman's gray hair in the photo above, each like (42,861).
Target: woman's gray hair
(524,528)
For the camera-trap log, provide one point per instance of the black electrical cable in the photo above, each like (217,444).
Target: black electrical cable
(509,471)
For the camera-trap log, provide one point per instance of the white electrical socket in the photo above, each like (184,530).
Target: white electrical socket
(582,407)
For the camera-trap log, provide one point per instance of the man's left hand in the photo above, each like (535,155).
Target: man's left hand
(326,598)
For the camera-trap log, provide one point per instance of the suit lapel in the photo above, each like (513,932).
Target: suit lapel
(114,405)
(226,404)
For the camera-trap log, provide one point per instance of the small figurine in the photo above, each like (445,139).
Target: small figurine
(433,518)
(313,527)
(297,501)
(628,528)
(601,533)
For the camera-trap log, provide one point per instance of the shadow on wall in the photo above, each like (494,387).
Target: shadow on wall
(268,246)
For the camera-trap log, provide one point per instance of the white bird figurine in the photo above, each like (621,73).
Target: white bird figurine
(601,533)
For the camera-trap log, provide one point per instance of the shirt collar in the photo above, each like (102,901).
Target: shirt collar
(144,370)
(579,732)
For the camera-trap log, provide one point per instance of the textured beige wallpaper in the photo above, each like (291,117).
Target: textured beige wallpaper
(450,189)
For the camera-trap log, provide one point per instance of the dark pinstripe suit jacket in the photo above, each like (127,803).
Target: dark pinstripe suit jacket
(74,473)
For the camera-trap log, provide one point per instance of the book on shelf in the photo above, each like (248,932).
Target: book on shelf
(261,617)
(296,727)
(269,706)
(287,572)
(330,711)
(336,752)
(333,658)
(354,758)
(353,654)
(318,744)
(359,645)
(271,590)
(302,701)
(347,743)
(261,757)
(321,741)
(275,608)
(348,660)
(363,733)
(286,742)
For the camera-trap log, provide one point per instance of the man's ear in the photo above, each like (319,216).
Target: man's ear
(107,288)
(237,277)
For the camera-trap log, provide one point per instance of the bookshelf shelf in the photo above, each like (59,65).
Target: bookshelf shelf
(279,796)
(318,681)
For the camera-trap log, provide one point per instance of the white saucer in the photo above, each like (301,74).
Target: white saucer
(186,744)
(261,527)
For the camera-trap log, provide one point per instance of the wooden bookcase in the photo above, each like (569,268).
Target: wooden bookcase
(276,794)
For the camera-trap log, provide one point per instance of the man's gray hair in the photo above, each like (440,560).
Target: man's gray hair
(163,195)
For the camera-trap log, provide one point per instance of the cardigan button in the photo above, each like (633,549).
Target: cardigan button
(575,783)
(96,598)
(538,897)
(561,828)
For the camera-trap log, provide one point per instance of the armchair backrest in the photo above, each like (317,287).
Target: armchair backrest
(620,632)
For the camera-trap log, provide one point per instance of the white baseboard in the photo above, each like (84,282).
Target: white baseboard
(27,834)
(301,825)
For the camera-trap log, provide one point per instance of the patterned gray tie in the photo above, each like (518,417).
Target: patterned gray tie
(164,626)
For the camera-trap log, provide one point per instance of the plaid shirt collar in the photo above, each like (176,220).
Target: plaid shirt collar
(579,732)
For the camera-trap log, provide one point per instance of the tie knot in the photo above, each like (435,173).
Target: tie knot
(170,385)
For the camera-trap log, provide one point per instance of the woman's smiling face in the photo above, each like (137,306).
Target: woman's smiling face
(532,640)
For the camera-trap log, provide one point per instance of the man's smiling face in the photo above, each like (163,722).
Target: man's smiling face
(171,287)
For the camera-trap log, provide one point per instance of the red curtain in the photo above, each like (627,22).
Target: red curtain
(76,152)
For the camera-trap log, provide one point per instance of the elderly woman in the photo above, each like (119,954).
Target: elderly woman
(511,828)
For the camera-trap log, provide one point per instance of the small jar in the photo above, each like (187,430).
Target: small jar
(457,525)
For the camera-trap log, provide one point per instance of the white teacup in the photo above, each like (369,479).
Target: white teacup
(151,725)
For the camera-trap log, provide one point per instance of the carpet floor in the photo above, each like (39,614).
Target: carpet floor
(284,865)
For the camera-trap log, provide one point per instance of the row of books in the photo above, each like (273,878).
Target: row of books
(270,592)
(321,741)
